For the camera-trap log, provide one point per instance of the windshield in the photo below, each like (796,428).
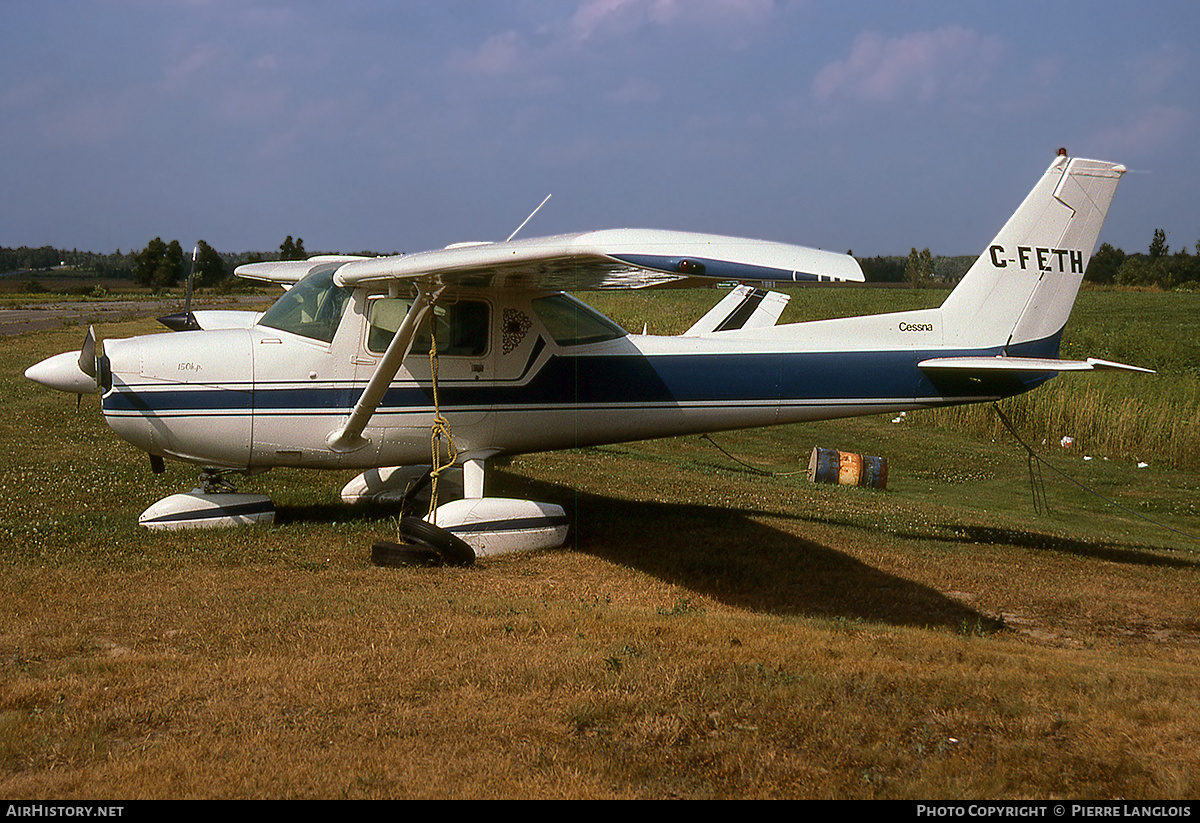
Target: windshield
(312,308)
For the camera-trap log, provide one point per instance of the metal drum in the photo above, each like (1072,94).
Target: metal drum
(847,468)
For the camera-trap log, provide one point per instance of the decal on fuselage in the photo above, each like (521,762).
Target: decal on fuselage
(1044,259)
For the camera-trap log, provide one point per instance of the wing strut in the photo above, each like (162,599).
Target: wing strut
(349,437)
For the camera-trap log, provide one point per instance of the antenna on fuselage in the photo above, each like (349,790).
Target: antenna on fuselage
(527,219)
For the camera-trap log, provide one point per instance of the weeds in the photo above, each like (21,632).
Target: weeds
(683,606)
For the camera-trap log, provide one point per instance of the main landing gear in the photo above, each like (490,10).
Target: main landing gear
(214,503)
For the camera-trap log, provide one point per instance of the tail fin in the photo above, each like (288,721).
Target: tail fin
(1021,290)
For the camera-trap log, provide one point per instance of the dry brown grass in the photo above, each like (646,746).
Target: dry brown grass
(677,649)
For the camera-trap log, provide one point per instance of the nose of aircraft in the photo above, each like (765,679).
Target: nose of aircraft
(72,371)
(62,372)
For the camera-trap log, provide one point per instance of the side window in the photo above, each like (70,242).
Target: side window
(461,330)
(572,322)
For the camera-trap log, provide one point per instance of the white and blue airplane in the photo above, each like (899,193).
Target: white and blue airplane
(337,374)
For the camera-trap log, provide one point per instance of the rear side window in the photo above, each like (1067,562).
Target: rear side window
(572,322)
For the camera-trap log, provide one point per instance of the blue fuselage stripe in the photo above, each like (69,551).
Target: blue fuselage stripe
(613,381)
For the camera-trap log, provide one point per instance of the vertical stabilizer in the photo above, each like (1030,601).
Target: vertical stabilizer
(1022,288)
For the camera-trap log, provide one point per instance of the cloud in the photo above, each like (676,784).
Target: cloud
(1150,131)
(192,66)
(920,66)
(636,90)
(1154,73)
(596,18)
(502,53)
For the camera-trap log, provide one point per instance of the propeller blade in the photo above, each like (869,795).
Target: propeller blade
(87,354)
(181,321)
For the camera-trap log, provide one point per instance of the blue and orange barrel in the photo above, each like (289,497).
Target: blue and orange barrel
(847,468)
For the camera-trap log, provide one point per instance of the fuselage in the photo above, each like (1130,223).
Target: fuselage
(517,372)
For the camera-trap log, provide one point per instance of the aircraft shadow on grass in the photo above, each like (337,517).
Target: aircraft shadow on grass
(1136,554)
(730,555)
(723,553)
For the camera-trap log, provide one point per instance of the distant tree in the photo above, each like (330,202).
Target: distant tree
(172,270)
(952,269)
(1135,271)
(919,268)
(289,250)
(1158,246)
(883,269)
(912,267)
(159,265)
(44,257)
(1159,268)
(114,266)
(1104,265)
(210,268)
(146,263)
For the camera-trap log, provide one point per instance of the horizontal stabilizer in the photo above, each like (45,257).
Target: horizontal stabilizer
(744,307)
(1023,364)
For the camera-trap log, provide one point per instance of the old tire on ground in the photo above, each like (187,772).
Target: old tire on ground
(453,549)
(384,553)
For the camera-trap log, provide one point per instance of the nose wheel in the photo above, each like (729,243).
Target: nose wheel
(216,481)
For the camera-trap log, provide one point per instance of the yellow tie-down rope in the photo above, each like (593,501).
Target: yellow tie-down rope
(438,429)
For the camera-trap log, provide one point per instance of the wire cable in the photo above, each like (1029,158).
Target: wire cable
(1041,461)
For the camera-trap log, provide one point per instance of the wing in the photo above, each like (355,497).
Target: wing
(288,272)
(613,259)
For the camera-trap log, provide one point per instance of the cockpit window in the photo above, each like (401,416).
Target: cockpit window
(572,322)
(312,308)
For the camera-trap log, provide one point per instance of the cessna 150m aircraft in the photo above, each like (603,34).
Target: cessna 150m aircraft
(337,374)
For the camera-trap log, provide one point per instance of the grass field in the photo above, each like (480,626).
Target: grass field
(717,627)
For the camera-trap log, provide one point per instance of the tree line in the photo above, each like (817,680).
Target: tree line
(1158,267)
(159,265)
(162,265)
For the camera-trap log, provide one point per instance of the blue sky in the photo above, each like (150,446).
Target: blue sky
(870,126)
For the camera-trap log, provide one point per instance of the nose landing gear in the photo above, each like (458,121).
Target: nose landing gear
(215,503)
